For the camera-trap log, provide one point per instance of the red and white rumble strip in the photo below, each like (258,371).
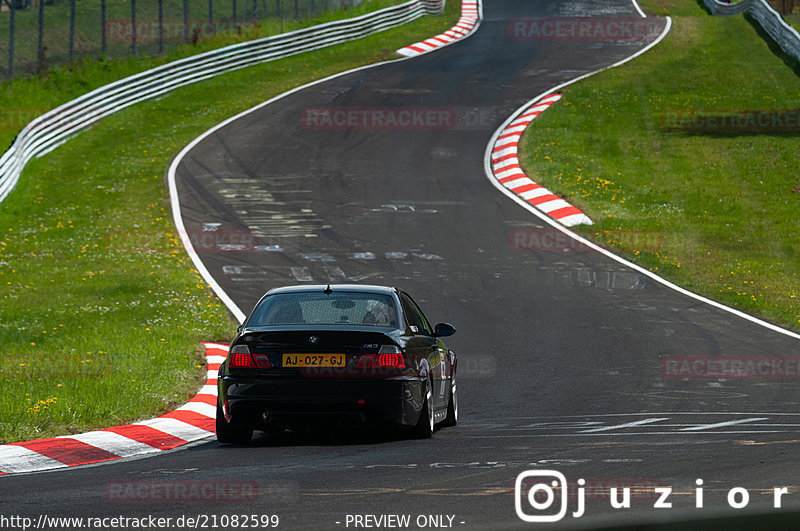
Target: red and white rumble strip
(467,24)
(508,172)
(193,421)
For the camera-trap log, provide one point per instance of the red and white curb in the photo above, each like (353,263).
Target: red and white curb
(508,172)
(191,422)
(467,24)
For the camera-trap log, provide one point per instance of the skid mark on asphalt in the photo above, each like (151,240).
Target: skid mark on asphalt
(321,268)
(274,206)
(646,424)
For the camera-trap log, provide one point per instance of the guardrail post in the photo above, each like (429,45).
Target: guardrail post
(160,26)
(71,28)
(40,45)
(102,22)
(13,24)
(185,20)
(133,26)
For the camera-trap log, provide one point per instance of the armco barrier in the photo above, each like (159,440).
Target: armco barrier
(724,8)
(48,131)
(782,33)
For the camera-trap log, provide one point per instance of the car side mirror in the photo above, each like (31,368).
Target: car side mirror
(239,329)
(443,330)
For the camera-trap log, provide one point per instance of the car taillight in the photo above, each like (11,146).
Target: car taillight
(390,358)
(387,356)
(240,358)
(365,361)
(262,361)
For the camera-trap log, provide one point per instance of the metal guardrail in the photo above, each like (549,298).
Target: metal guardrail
(723,8)
(770,20)
(55,127)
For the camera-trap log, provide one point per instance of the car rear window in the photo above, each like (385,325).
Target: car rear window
(338,308)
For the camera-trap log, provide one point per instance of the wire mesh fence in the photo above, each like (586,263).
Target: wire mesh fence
(37,34)
(786,7)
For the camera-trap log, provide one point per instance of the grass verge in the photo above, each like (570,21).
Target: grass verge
(712,207)
(101,310)
(793,20)
(21,100)
(263,18)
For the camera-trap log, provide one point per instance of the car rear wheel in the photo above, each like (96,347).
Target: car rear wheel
(424,427)
(231,433)
(452,408)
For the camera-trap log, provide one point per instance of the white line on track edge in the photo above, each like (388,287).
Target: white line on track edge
(639,9)
(487,159)
(173,189)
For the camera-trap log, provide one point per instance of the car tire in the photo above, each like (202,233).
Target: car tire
(452,407)
(231,433)
(424,427)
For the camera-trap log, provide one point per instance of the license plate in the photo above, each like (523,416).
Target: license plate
(314,360)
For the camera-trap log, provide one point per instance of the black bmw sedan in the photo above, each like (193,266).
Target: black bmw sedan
(310,356)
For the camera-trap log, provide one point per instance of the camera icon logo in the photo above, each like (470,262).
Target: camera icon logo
(529,489)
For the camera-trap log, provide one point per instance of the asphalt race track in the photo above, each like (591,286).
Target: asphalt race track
(563,353)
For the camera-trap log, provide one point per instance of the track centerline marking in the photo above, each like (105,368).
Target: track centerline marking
(722,424)
(626,425)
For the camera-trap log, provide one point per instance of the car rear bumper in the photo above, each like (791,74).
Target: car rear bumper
(295,402)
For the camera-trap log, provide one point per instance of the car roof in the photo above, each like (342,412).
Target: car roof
(359,288)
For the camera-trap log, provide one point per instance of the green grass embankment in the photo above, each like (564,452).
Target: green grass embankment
(663,153)
(101,311)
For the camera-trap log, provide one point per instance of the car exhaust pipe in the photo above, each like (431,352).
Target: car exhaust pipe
(275,423)
(350,420)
